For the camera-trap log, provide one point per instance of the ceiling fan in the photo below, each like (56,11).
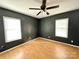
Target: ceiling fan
(44,8)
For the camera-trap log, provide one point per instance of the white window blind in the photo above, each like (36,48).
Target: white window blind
(61,27)
(12,29)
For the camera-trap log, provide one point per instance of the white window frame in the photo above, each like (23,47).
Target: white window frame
(61,27)
(12,29)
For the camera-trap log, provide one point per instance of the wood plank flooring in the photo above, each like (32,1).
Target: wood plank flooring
(41,48)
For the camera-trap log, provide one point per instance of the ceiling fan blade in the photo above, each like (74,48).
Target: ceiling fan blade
(52,7)
(34,8)
(38,13)
(47,13)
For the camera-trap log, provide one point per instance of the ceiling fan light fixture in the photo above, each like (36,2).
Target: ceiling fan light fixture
(44,8)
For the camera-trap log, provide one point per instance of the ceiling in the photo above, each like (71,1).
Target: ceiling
(23,6)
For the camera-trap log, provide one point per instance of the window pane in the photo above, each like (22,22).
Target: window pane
(61,28)
(12,28)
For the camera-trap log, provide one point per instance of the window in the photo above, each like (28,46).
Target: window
(12,29)
(61,28)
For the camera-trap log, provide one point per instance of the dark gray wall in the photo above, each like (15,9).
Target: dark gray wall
(26,21)
(48,27)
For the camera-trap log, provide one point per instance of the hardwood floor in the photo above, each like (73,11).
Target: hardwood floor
(41,48)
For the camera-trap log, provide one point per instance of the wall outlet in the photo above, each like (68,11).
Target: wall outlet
(49,36)
(72,41)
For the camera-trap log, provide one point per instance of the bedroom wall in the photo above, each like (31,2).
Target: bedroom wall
(48,27)
(26,21)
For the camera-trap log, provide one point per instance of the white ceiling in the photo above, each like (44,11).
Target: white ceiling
(23,6)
